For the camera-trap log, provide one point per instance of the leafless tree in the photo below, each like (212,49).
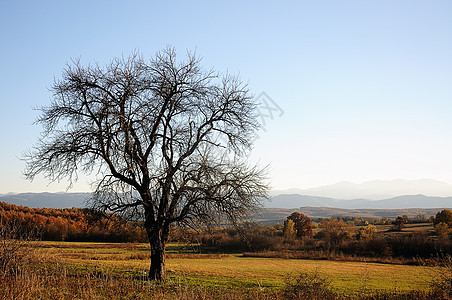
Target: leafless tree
(167,139)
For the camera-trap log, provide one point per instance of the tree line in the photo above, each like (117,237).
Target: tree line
(71,224)
(341,238)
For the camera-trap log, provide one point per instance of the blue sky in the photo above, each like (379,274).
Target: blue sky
(365,86)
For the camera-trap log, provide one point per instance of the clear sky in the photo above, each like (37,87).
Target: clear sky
(365,86)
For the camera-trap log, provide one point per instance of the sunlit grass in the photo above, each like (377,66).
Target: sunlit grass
(348,278)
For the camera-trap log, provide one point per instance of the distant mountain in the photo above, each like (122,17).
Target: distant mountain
(284,201)
(296,201)
(376,190)
(408,201)
(400,202)
(50,200)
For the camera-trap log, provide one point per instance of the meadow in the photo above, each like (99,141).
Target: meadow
(86,265)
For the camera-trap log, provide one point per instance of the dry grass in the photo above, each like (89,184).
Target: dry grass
(72,273)
(46,276)
(226,270)
(105,286)
(330,256)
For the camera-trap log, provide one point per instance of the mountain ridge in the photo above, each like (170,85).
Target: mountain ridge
(375,189)
(286,201)
(399,202)
(46,199)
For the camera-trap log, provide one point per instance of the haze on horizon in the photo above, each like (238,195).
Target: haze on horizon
(360,90)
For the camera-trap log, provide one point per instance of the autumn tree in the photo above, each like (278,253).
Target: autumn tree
(366,232)
(398,223)
(442,229)
(334,232)
(289,229)
(301,223)
(168,140)
(444,216)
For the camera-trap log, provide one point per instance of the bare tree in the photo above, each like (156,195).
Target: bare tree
(168,140)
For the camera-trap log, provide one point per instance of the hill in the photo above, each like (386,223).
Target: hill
(49,200)
(68,200)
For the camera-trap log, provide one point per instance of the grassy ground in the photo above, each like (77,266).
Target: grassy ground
(385,230)
(223,271)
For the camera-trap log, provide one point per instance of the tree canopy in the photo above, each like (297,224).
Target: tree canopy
(301,223)
(168,141)
(444,216)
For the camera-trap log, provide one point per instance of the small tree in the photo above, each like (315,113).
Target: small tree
(302,224)
(334,232)
(367,232)
(168,141)
(406,219)
(444,216)
(289,229)
(441,229)
(398,224)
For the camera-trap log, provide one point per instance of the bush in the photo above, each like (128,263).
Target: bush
(442,229)
(375,247)
(366,232)
(334,232)
(246,237)
(13,255)
(398,224)
(307,286)
(418,245)
(444,216)
(442,277)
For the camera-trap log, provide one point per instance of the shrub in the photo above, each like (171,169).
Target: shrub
(398,224)
(13,241)
(444,216)
(375,247)
(335,232)
(441,282)
(366,232)
(418,245)
(307,286)
(442,229)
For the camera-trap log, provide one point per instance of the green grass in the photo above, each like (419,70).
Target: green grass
(347,278)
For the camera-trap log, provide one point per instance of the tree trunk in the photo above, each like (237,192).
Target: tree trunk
(157,269)
(157,241)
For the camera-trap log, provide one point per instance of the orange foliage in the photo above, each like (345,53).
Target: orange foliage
(71,224)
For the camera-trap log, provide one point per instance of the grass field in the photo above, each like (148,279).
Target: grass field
(234,270)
